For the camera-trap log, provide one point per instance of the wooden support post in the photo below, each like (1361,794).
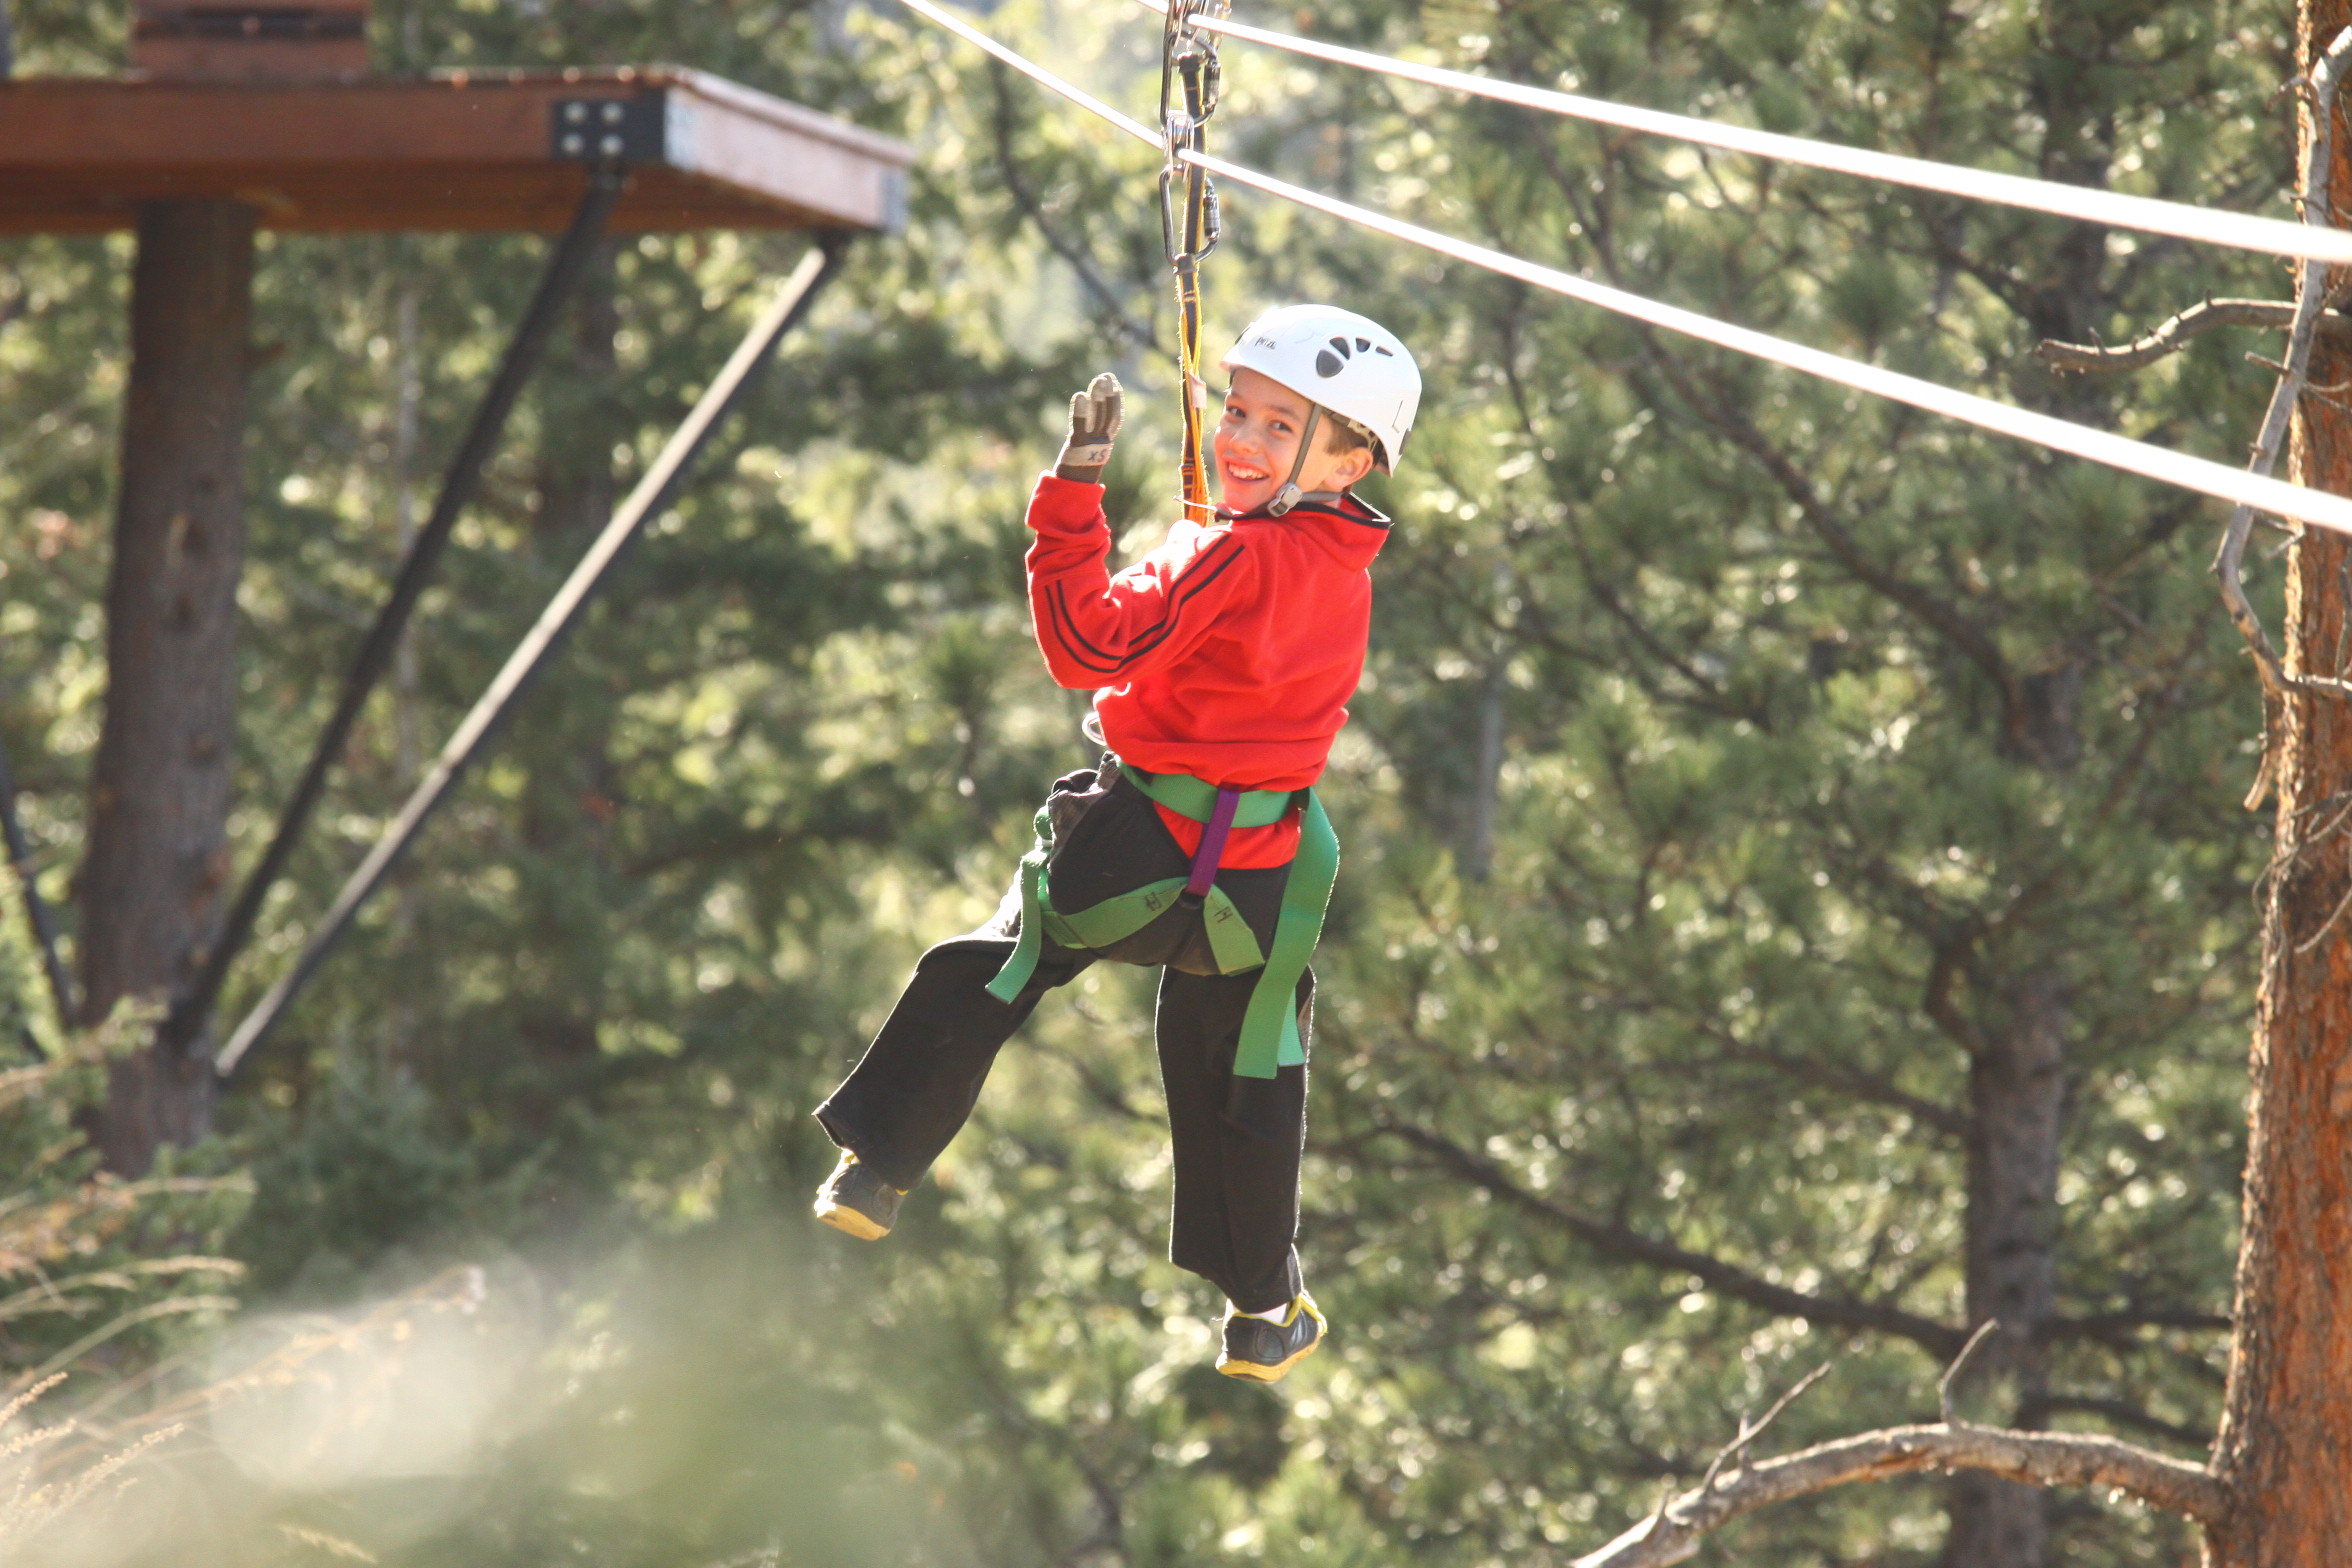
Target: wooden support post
(159,793)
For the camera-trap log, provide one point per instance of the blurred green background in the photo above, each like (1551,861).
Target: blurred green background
(1745,779)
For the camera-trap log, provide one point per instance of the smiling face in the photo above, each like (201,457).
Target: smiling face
(1258,438)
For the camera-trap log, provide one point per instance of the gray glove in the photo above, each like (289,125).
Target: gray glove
(1095,415)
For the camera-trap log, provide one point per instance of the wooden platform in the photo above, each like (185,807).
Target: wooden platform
(458,150)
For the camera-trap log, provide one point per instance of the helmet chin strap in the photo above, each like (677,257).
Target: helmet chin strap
(1290,495)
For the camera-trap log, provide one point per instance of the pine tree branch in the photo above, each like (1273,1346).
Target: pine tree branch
(2102,1325)
(1113,306)
(1723,414)
(1726,1278)
(2175,334)
(1972,641)
(1673,1534)
(1857,1082)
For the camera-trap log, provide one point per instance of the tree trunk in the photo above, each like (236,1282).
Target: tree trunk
(2017,1081)
(159,792)
(2017,1113)
(2285,1446)
(2017,1105)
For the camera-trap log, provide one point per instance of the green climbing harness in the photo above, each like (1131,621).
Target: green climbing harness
(1269,1028)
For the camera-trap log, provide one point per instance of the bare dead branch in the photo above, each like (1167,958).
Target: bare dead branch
(1951,1377)
(2313,297)
(2034,1458)
(1673,1531)
(2175,334)
(1738,1447)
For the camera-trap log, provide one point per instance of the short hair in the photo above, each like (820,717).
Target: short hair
(1342,435)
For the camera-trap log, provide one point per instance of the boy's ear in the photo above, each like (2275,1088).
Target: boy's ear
(1350,469)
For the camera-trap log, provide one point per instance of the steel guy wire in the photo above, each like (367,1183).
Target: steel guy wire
(1035,72)
(2296,502)
(2114,209)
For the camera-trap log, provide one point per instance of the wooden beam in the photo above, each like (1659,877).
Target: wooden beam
(468,150)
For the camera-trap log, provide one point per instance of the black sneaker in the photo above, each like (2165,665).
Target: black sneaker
(1262,1351)
(856,1200)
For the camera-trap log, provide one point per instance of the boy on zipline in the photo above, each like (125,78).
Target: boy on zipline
(1221,664)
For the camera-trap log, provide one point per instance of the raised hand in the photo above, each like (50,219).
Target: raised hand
(1095,415)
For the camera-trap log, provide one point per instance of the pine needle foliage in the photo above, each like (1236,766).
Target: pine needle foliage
(1792,860)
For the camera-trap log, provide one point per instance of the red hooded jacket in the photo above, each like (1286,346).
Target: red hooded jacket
(1228,653)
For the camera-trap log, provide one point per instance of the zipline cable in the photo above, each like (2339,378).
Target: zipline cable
(649,500)
(2274,496)
(2114,209)
(2099,446)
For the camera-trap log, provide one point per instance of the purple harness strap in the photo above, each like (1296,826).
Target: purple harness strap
(1212,844)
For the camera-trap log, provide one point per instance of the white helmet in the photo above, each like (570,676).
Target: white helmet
(1347,363)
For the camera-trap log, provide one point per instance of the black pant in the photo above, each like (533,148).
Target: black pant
(1237,1140)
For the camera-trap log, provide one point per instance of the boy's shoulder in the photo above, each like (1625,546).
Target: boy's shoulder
(1345,533)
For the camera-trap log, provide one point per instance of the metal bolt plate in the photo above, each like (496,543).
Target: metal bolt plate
(610,130)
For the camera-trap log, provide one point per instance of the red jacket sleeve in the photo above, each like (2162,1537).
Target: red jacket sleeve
(1100,630)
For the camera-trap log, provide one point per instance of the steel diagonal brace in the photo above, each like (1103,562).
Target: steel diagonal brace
(478,732)
(184,1025)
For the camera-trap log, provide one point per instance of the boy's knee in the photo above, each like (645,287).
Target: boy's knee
(1268,1111)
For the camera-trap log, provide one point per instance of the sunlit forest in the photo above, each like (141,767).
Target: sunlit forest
(1797,900)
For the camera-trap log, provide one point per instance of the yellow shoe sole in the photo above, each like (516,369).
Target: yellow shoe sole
(849,1221)
(1254,1373)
